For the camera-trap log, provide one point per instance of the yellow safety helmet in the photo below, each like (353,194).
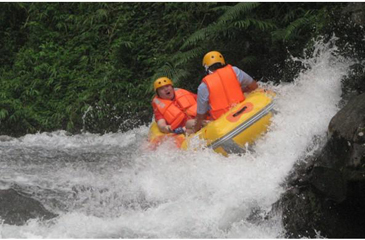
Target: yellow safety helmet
(162,81)
(213,57)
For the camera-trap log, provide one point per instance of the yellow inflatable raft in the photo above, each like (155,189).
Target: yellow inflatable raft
(244,123)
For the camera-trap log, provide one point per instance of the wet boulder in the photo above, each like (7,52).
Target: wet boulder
(4,138)
(326,192)
(16,208)
(356,11)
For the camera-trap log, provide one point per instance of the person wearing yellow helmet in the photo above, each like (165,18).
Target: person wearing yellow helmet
(221,88)
(174,108)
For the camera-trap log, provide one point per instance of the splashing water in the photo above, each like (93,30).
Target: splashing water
(113,186)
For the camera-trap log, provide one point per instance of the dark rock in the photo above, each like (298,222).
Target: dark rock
(349,122)
(16,208)
(354,83)
(4,138)
(326,194)
(357,12)
(329,182)
(304,215)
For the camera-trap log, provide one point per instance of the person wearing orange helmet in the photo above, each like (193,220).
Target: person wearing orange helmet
(174,108)
(221,88)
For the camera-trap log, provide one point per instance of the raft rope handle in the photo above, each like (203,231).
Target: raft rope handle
(240,111)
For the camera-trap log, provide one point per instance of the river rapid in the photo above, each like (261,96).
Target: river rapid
(114,186)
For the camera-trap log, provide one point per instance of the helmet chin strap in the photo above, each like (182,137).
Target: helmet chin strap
(207,70)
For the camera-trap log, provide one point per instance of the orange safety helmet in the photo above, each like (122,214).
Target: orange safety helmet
(213,57)
(162,81)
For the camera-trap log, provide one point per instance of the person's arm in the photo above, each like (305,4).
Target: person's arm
(252,86)
(163,127)
(246,81)
(161,122)
(199,122)
(203,106)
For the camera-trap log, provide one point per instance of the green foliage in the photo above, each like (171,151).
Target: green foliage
(235,12)
(230,30)
(254,36)
(11,35)
(90,66)
(79,56)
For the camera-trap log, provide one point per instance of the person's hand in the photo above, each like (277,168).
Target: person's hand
(199,120)
(179,130)
(251,87)
(168,129)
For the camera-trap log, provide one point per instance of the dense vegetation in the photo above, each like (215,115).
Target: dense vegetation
(79,65)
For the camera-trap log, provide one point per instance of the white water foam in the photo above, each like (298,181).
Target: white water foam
(170,193)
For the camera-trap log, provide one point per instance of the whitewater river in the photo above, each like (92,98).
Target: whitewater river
(113,186)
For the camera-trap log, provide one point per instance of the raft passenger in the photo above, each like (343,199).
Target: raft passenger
(221,88)
(174,108)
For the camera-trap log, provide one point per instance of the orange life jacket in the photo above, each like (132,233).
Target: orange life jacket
(175,114)
(224,90)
